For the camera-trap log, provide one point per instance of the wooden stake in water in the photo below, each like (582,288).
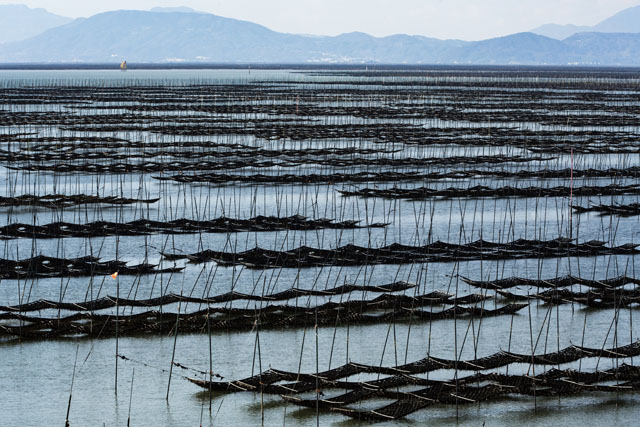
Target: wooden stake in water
(73,376)
(131,397)
(115,276)
(571,198)
(175,340)
(117,341)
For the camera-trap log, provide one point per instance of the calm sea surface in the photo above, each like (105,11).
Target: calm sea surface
(36,376)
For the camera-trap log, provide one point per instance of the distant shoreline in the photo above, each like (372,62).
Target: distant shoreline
(302,67)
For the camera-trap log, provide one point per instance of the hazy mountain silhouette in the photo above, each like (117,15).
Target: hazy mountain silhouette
(18,22)
(146,36)
(626,21)
(150,36)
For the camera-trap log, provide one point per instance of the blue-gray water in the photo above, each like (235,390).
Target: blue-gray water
(36,376)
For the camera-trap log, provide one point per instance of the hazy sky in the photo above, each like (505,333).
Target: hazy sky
(462,19)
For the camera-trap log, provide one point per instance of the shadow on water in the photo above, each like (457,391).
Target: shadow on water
(509,410)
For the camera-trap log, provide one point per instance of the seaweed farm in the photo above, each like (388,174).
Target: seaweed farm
(320,247)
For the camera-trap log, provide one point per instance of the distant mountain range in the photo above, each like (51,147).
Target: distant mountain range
(18,22)
(185,35)
(626,21)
